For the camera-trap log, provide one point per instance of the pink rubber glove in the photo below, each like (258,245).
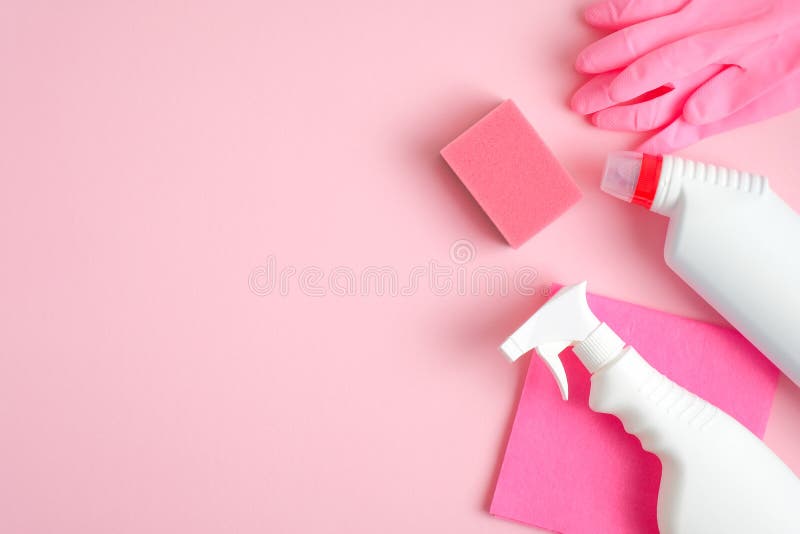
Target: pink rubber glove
(681,133)
(683,46)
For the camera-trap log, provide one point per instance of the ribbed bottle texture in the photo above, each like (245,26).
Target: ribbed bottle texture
(719,176)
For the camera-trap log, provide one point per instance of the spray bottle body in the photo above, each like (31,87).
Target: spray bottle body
(717,477)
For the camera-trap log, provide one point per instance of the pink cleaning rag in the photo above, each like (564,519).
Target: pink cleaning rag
(574,471)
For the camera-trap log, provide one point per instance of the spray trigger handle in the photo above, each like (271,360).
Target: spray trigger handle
(565,320)
(549,353)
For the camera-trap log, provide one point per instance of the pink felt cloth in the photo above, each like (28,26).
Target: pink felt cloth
(571,470)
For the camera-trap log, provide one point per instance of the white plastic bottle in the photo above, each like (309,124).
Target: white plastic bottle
(717,477)
(730,237)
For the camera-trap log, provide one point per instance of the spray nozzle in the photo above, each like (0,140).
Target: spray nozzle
(565,320)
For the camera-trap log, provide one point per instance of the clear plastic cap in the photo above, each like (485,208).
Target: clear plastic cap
(622,174)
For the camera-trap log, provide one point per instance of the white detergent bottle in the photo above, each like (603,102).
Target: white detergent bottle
(730,237)
(717,477)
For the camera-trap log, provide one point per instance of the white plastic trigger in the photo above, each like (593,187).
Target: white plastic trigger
(549,353)
(564,320)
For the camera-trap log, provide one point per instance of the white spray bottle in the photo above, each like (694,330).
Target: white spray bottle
(717,477)
(730,237)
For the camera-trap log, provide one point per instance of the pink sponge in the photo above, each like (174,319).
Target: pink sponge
(511,173)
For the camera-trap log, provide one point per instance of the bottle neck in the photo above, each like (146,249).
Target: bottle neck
(672,171)
(647,181)
(599,348)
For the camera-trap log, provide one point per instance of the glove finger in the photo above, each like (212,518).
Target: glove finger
(640,117)
(623,47)
(615,14)
(677,135)
(780,99)
(737,87)
(676,60)
(593,95)
(656,112)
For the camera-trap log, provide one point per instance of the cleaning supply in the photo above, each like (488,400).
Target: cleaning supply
(668,45)
(759,37)
(512,174)
(681,133)
(551,480)
(717,477)
(663,110)
(730,237)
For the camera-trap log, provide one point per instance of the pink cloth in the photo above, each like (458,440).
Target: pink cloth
(571,470)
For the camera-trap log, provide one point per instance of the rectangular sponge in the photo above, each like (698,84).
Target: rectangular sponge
(512,174)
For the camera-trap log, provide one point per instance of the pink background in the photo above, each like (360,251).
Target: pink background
(154,155)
